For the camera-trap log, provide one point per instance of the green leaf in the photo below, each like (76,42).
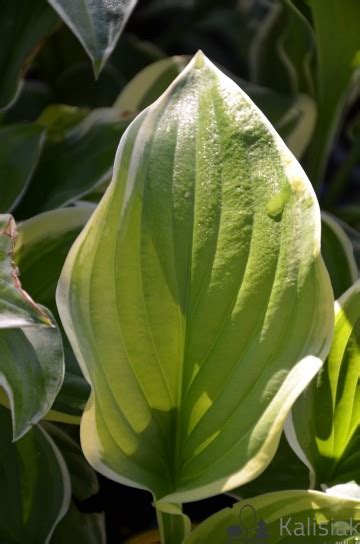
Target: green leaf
(338,253)
(16,141)
(285,472)
(333,21)
(23,25)
(42,246)
(196,299)
(283,51)
(80,528)
(325,422)
(76,164)
(287,517)
(96,23)
(35,486)
(17,309)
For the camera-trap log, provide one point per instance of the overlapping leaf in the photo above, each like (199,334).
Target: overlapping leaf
(76,164)
(287,517)
(75,526)
(31,354)
(196,299)
(35,485)
(42,246)
(96,23)
(23,25)
(325,423)
(283,50)
(338,254)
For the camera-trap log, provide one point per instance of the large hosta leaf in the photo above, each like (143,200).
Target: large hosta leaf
(97,24)
(23,25)
(16,141)
(35,485)
(77,163)
(325,420)
(31,354)
(338,254)
(41,249)
(196,299)
(287,517)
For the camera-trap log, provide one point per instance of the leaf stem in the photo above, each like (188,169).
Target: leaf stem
(174,526)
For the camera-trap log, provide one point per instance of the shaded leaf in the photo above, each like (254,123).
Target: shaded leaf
(338,253)
(78,163)
(96,23)
(20,147)
(42,246)
(337,62)
(35,486)
(325,423)
(283,51)
(196,299)
(23,25)
(287,517)
(80,528)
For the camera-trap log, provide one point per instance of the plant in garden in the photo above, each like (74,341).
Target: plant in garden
(178,303)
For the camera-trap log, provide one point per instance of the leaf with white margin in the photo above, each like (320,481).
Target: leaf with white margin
(17,309)
(41,248)
(96,23)
(324,427)
(35,486)
(196,299)
(338,254)
(307,517)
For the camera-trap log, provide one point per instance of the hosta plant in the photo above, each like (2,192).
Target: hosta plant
(177,316)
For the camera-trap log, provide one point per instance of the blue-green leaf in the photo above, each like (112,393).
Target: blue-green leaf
(96,23)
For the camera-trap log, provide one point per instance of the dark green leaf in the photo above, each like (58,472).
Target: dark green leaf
(23,25)
(338,253)
(43,244)
(78,163)
(20,147)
